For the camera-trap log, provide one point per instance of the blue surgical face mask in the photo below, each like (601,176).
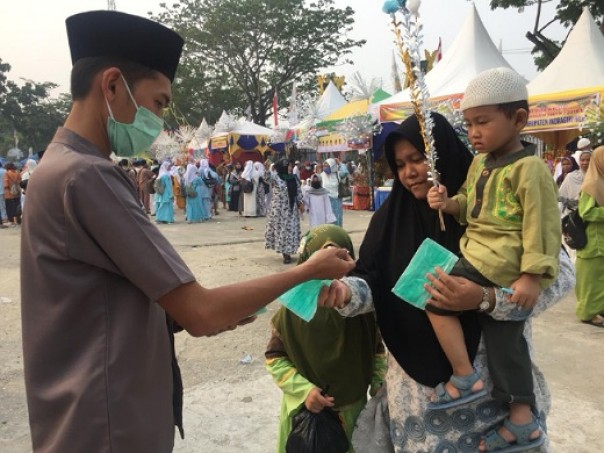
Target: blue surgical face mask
(327,170)
(131,139)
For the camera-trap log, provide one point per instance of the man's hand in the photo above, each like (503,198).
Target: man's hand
(243,322)
(315,402)
(336,295)
(526,291)
(330,263)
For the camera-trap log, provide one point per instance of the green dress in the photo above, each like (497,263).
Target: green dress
(345,353)
(590,261)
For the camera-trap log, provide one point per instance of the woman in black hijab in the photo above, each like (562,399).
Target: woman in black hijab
(283,225)
(417,362)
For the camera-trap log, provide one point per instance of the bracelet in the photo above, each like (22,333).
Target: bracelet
(485,303)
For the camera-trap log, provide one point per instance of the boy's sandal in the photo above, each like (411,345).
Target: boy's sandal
(495,443)
(444,400)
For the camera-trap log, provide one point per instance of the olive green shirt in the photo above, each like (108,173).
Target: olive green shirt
(510,206)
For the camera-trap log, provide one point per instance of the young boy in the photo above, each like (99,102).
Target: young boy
(512,240)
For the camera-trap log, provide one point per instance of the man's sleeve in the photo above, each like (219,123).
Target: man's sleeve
(107,228)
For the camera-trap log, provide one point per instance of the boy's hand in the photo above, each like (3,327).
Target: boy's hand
(437,197)
(526,291)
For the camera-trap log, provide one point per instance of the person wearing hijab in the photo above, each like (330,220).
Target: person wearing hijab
(235,183)
(282,232)
(571,187)
(346,354)
(417,362)
(567,165)
(306,172)
(249,199)
(30,167)
(590,259)
(261,188)
(209,178)
(164,201)
(195,209)
(317,204)
(332,174)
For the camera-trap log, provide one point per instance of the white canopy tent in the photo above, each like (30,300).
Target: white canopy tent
(330,101)
(569,87)
(471,53)
(580,63)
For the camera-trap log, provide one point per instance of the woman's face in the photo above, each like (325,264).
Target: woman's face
(584,161)
(412,169)
(566,166)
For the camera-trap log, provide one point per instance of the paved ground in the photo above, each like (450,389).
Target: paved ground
(230,406)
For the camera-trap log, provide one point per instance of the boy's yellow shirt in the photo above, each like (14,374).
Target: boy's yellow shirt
(518,227)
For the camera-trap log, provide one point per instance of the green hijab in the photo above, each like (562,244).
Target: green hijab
(330,350)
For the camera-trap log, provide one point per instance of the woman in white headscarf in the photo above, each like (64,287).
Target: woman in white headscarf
(194,208)
(164,195)
(249,198)
(262,188)
(30,167)
(571,186)
(331,177)
(209,178)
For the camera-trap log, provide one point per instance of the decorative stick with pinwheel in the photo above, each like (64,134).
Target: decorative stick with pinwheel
(409,40)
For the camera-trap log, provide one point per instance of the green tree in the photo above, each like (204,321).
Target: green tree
(238,52)
(28,110)
(567,13)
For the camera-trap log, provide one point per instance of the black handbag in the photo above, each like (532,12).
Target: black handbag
(574,230)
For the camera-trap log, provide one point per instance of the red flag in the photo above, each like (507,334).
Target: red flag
(439,53)
(275,108)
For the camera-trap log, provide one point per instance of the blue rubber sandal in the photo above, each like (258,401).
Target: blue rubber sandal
(497,444)
(444,400)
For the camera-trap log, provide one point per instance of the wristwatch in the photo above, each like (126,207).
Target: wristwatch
(485,303)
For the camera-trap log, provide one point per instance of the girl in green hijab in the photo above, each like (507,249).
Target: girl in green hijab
(345,354)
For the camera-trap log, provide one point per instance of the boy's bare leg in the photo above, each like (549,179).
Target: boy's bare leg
(450,336)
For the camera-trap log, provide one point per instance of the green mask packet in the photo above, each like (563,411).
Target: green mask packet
(410,285)
(302,299)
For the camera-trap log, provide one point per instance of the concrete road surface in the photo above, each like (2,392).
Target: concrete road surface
(232,406)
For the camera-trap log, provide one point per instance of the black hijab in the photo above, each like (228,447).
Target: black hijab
(281,168)
(394,234)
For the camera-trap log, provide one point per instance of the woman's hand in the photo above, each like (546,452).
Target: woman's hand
(315,402)
(453,293)
(336,295)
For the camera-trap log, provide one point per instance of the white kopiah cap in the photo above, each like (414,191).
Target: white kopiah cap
(494,86)
(583,143)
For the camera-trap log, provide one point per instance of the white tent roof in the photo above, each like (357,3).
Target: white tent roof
(580,63)
(330,101)
(249,128)
(471,53)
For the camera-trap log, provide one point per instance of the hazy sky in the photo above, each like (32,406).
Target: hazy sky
(33,38)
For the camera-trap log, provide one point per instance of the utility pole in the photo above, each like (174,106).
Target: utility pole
(111,5)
